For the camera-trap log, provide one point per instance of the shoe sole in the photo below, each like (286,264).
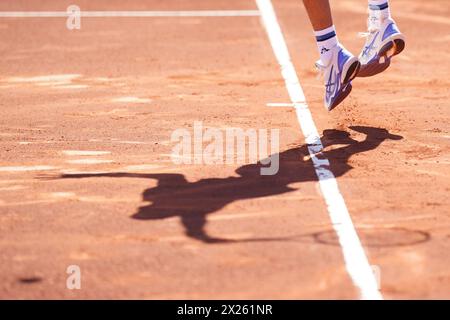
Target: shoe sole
(352,71)
(383,60)
(351,74)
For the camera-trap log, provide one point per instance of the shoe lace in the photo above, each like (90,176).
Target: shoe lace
(373,24)
(320,69)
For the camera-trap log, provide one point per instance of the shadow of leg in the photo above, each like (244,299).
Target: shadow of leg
(195,228)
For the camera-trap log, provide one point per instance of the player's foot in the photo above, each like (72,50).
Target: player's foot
(338,74)
(383,41)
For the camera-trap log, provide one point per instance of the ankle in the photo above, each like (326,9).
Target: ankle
(379,10)
(327,41)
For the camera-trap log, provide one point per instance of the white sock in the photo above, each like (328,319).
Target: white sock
(326,42)
(379,8)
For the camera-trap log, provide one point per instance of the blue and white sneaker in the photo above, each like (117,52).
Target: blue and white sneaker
(338,74)
(383,41)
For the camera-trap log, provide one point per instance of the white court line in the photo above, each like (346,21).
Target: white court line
(137,14)
(355,258)
(279,104)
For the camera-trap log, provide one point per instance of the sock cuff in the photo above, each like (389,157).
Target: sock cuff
(378,4)
(378,7)
(325,34)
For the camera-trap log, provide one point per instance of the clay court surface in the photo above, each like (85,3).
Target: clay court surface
(86,176)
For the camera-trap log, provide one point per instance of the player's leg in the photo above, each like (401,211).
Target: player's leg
(319,13)
(338,65)
(384,40)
